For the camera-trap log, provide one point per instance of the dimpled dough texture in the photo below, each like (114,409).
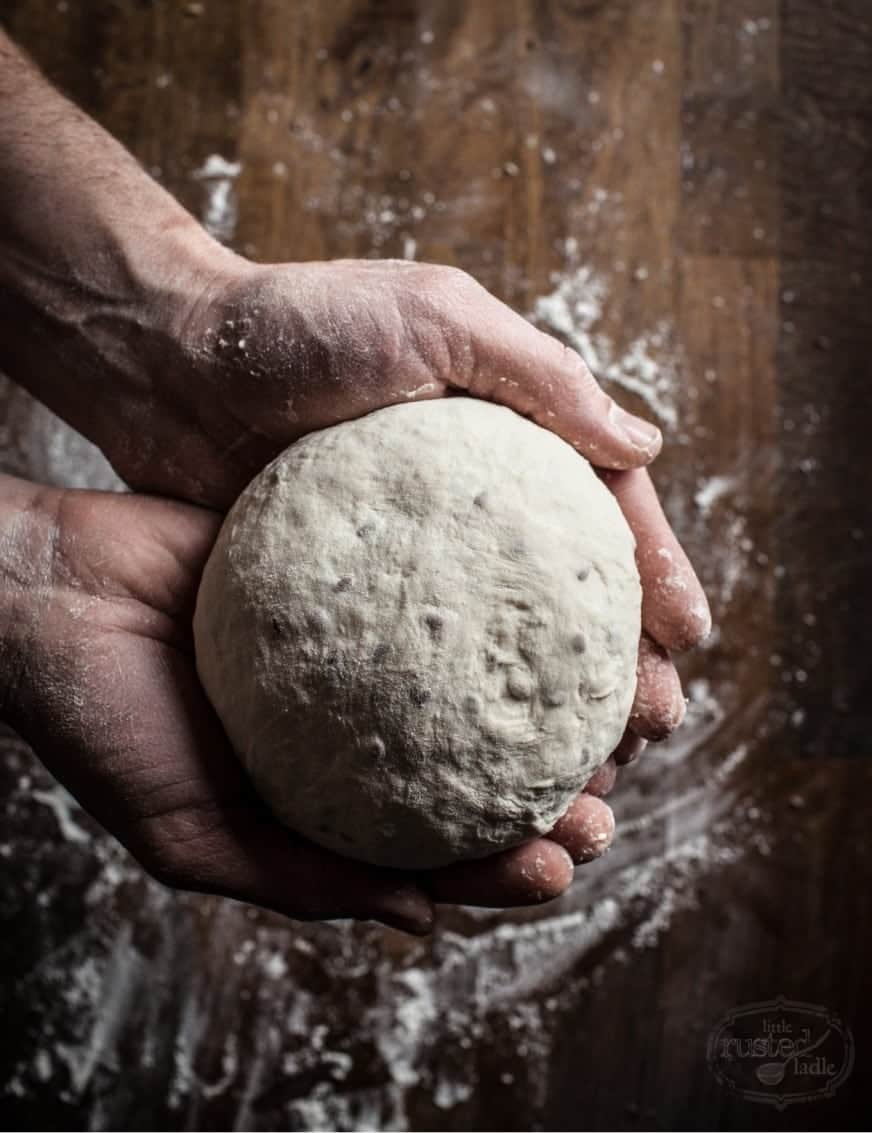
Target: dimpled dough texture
(420,631)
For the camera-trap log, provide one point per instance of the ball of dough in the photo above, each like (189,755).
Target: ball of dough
(420,630)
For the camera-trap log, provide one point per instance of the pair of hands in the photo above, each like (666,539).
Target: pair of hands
(99,589)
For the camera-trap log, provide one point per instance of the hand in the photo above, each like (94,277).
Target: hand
(266,354)
(270,353)
(258,356)
(191,367)
(96,599)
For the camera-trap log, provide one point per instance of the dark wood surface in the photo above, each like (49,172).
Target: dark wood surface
(681,187)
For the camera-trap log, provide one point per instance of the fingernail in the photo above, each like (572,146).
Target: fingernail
(640,433)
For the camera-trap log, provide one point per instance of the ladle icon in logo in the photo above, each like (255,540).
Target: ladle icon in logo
(781,1051)
(772,1073)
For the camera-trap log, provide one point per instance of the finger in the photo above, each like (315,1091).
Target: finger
(659,705)
(674,608)
(629,749)
(530,874)
(521,367)
(586,830)
(250,857)
(602,780)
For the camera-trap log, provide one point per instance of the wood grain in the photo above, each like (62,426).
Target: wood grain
(698,171)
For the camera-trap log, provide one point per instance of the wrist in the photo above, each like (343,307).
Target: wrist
(188,270)
(95,260)
(96,337)
(28,523)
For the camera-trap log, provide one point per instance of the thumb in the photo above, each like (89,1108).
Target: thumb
(540,378)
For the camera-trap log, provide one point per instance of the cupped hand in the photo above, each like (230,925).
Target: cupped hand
(289,349)
(105,689)
(267,353)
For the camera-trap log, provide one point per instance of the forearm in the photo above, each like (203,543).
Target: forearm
(97,261)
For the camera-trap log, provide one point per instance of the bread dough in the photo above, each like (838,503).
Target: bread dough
(420,630)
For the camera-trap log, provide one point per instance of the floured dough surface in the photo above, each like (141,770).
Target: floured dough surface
(420,630)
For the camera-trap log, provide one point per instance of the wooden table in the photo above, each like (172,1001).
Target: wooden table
(680,188)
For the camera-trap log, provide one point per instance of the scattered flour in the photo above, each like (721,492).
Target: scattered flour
(711,490)
(283,1025)
(220,209)
(646,366)
(63,806)
(118,983)
(237,1009)
(37,445)
(233,1008)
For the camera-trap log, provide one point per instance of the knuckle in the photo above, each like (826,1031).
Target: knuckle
(456,276)
(583,376)
(454,284)
(438,323)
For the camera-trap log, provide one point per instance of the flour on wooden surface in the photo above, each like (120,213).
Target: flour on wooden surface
(231,1010)
(645,366)
(220,208)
